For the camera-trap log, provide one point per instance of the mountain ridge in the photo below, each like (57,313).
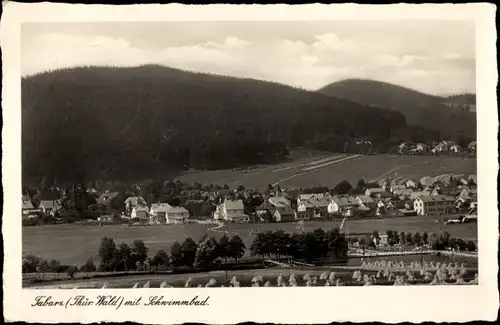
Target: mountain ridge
(108,122)
(420,109)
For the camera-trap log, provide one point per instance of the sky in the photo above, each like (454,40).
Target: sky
(435,57)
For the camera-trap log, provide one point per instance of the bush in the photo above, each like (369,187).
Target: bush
(72,270)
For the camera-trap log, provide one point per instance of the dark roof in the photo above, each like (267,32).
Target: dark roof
(284,211)
(265,206)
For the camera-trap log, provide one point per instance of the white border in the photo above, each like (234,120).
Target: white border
(284,305)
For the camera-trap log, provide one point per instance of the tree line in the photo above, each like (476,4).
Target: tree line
(313,245)
(434,241)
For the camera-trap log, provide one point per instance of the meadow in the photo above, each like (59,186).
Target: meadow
(298,172)
(74,244)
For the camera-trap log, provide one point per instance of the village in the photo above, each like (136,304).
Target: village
(387,198)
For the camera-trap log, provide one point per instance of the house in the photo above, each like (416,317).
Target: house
(434,204)
(27,205)
(48,206)
(176,215)
(305,205)
(305,214)
(365,202)
(472,147)
(421,147)
(416,194)
(158,213)
(473,202)
(377,192)
(320,204)
(309,197)
(410,184)
(455,148)
(279,201)
(264,208)
(468,192)
(396,187)
(283,214)
(436,191)
(231,211)
(106,197)
(140,213)
(135,201)
(403,194)
(343,205)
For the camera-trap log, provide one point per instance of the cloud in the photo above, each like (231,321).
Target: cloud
(325,58)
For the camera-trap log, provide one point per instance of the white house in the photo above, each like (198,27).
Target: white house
(47,206)
(343,205)
(177,215)
(135,201)
(365,202)
(27,207)
(376,192)
(410,184)
(231,211)
(434,204)
(140,213)
(158,212)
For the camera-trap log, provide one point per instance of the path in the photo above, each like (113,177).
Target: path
(314,162)
(309,169)
(403,166)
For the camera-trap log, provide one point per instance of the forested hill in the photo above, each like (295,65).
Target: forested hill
(121,123)
(419,108)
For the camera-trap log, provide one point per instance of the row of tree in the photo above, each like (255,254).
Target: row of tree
(189,254)
(435,241)
(305,246)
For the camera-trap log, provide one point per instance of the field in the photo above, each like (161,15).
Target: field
(298,172)
(73,244)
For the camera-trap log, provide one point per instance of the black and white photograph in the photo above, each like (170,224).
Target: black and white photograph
(240,153)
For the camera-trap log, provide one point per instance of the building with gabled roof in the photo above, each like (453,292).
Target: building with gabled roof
(434,205)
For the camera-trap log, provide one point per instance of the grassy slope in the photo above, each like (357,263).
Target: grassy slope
(366,167)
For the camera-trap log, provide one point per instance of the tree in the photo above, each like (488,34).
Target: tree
(236,248)
(139,251)
(360,186)
(471,246)
(402,238)
(89,266)
(432,240)
(124,259)
(71,271)
(390,237)
(225,187)
(188,249)
(417,239)
(262,244)
(294,246)
(362,242)
(224,247)
(107,252)
(206,253)
(425,238)
(54,266)
(176,256)
(343,187)
(409,239)
(240,188)
(42,268)
(30,263)
(160,259)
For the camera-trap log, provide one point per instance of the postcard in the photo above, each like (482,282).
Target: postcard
(229,163)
